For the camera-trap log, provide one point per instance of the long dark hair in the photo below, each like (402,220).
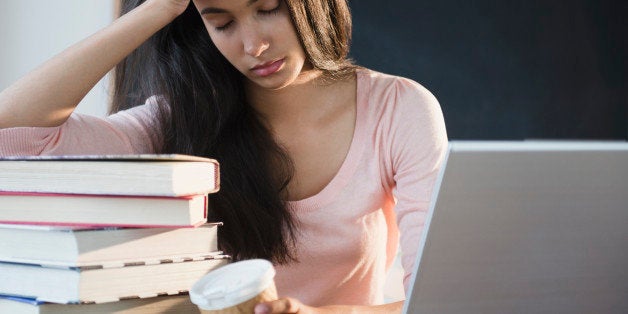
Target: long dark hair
(203,111)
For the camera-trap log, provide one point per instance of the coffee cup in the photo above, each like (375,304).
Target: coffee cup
(235,288)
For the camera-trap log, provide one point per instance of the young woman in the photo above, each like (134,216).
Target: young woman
(322,161)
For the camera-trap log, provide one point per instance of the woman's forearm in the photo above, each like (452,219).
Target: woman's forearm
(48,95)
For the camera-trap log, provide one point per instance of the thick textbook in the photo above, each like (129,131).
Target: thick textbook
(169,304)
(157,175)
(109,247)
(100,284)
(102,210)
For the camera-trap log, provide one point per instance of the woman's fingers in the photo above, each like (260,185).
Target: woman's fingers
(283,305)
(176,7)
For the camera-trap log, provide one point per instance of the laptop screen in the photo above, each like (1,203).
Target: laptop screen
(526,227)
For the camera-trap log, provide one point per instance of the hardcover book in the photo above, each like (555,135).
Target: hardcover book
(168,304)
(102,210)
(156,175)
(99,284)
(82,246)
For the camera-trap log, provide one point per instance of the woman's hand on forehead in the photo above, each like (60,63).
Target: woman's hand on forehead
(175,6)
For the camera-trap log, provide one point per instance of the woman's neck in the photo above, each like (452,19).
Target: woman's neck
(311,98)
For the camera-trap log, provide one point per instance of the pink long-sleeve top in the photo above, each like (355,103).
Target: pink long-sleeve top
(348,232)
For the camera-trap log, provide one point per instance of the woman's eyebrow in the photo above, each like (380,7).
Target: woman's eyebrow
(210,10)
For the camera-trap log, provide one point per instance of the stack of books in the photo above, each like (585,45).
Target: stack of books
(104,234)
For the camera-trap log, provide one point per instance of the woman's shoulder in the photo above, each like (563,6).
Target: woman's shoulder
(383,79)
(142,124)
(393,94)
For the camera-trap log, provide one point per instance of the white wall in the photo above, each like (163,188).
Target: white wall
(32,31)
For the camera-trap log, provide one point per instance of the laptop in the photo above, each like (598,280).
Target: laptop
(526,227)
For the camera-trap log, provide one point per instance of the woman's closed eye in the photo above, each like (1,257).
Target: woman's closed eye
(262,11)
(274,10)
(223,27)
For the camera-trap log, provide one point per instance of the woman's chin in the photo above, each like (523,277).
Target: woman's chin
(274,81)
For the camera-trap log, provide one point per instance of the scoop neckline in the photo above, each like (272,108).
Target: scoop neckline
(350,163)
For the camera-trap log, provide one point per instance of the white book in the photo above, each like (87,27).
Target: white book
(156,175)
(80,246)
(99,284)
(169,304)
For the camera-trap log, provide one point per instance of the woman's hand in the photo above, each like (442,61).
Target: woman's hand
(290,305)
(175,7)
(283,305)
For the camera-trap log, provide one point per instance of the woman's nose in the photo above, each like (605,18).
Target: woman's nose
(254,42)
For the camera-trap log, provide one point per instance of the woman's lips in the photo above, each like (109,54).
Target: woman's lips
(267,68)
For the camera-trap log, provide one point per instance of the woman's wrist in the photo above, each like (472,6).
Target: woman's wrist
(143,21)
(164,10)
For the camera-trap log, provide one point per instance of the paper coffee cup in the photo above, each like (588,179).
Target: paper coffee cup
(235,288)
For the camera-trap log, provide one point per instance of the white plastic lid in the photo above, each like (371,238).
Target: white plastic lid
(232,284)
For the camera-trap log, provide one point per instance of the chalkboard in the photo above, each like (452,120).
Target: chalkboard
(506,69)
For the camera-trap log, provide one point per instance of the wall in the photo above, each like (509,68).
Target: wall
(32,31)
(508,69)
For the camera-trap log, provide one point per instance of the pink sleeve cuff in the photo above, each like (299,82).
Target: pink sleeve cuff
(23,141)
